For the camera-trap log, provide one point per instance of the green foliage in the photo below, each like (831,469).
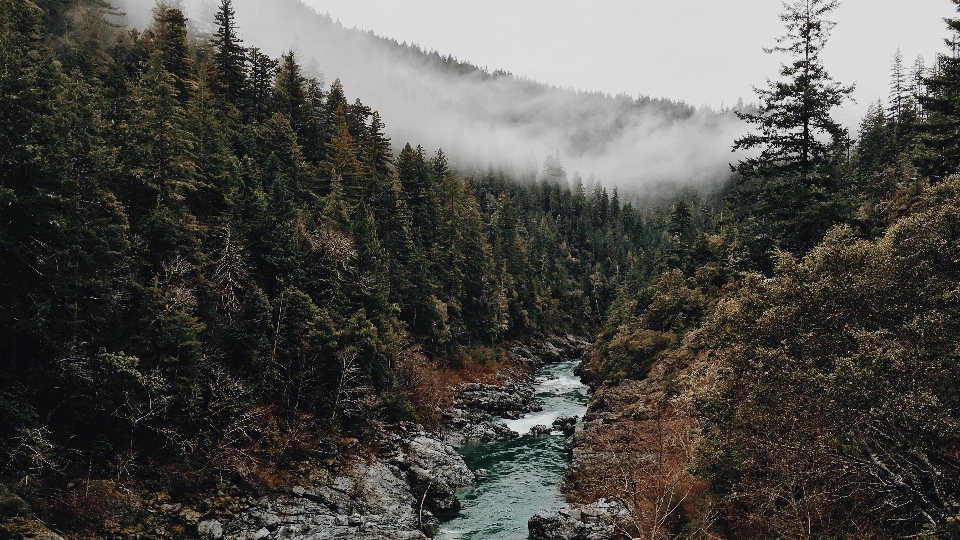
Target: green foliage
(855,348)
(939,154)
(791,187)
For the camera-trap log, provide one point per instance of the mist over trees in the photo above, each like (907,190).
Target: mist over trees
(443,102)
(218,266)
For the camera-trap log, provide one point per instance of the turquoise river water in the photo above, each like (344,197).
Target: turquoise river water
(524,473)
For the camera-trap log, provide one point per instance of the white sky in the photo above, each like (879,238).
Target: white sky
(699,51)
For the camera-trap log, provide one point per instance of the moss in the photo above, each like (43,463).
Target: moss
(11,505)
(19,528)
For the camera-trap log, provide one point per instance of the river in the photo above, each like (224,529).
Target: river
(524,474)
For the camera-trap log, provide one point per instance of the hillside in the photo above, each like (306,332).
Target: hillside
(483,118)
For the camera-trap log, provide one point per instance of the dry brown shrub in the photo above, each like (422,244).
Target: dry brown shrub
(426,387)
(429,383)
(643,464)
(97,506)
(637,448)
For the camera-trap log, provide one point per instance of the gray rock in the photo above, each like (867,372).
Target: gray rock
(546,525)
(268,519)
(540,430)
(595,521)
(210,529)
(260,534)
(566,424)
(42,533)
(440,459)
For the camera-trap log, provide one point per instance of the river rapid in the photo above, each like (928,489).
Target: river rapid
(524,474)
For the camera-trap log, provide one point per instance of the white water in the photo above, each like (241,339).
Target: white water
(524,473)
(562,394)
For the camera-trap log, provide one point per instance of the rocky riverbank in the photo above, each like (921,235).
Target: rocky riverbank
(397,492)
(634,446)
(397,495)
(597,521)
(471,419)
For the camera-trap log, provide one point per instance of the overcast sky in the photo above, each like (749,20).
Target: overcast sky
(700,51)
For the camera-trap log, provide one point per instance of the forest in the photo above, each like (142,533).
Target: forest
(213,266)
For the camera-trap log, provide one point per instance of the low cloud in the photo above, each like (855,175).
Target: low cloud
(483,120)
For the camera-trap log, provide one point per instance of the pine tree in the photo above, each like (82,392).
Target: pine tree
(259,92)
(876,146)
(794,113)
(788,193)
(172,53)
(898,87)
(290,92)
(230,56)
(340,160)
(940,135)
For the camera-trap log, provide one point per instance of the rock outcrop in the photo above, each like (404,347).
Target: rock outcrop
(472,417)
(597,521)
(394,496)
(551,350)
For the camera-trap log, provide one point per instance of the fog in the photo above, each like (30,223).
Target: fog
(481,120)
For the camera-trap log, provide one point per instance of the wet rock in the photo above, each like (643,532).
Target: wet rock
(513,399)
(463,427)
(442,460)
(552,349)
(540,430)
(566,424)
(595,521)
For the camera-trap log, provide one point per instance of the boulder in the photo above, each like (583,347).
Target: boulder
(210,529)
(566,424)
(539,430)
(595,521)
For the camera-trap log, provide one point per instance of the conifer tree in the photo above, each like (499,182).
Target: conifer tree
(940,136)
(340,160)
(230,56)
(172,53)
(899,91)
(290,92)
(259,91)
(790,187)
(795,112)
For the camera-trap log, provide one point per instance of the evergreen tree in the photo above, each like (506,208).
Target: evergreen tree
(341,161)
(795,112)
(940,135)
(172,52)
(259,92)
(230,56)
(899,90)
(791,186)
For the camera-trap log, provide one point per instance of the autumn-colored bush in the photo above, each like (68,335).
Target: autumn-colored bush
(426,388)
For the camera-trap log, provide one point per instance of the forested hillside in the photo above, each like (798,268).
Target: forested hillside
(213,266)
(799,379)
(481,115)
(216,269)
